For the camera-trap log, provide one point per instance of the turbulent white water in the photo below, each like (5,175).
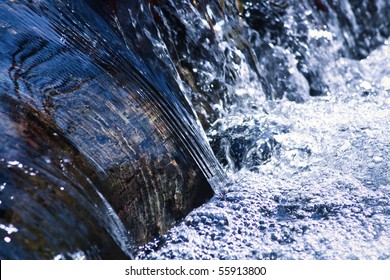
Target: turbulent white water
(313,181)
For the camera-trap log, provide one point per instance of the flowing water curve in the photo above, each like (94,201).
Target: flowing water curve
(97,96)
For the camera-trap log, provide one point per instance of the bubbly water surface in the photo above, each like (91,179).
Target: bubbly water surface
(307,181)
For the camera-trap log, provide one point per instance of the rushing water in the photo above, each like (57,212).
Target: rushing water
(308,179)
(313,179)
(293,96)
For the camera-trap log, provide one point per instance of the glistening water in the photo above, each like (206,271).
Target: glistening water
(308,179)
(313,180)
(102,104)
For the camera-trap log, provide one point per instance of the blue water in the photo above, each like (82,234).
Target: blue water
(309,170)
(293,98)
(322,191)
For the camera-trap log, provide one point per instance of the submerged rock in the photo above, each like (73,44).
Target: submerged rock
(50,206)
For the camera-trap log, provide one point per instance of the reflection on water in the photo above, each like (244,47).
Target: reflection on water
(101,147)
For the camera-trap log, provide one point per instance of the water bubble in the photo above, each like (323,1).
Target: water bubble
(377,159)
(63,40)
(13,162)
(365,85)
(9,229)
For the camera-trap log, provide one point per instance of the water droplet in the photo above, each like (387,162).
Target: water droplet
(13,162)
(9,229)
(365,85)
(345,146)
(377,159)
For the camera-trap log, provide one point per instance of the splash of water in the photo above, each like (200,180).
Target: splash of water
(309,179)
